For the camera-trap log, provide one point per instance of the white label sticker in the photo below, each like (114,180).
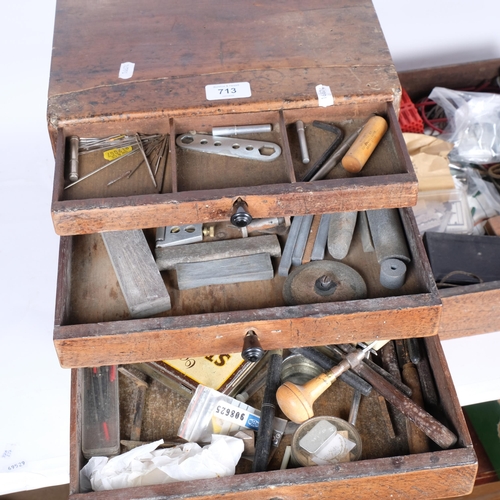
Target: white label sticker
(236,90)
(237,415)
(325,97)
(126,70)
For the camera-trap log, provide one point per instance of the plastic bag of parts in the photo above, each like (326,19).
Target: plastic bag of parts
(483,199)
(211,412)
(473,124)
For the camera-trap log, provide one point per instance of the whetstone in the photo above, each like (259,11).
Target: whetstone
(139,278)
(167,258)
(224,271)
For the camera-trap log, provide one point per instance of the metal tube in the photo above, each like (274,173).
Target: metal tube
(235,130)
(74,144)
(302,141)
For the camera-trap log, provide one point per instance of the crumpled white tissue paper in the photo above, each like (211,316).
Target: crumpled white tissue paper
(145,465)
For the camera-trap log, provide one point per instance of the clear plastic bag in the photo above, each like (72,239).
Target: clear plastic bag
(211,412)
(473,124)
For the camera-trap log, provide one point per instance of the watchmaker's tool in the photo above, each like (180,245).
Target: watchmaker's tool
(417,440)
(300,244)
(286,257)
(318,251)
(389,241)
(169,257)
(227,146)
(323,281)
(299,124)
(340,233)
(268,410)
(364,230)
(336,157)
(311,239)
(169,236)
(366,142)
(339,135)
(296,401)
(339,351)
(74,144)
(434,429)
(326,363)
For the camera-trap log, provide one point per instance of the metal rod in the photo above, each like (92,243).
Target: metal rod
(326,363)
(101,168)
(139,143)
(299,124)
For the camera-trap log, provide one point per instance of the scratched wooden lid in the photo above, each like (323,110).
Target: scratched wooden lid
(281,49)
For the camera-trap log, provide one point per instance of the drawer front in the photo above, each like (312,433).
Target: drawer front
(433,474)
(93,325)
(179,52)
(198,186)
(470,310)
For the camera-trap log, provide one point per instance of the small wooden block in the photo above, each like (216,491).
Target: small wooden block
(224,271)
(311,239)
(169,257)
(139,278)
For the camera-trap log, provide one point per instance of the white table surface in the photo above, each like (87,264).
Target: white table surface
(34,416)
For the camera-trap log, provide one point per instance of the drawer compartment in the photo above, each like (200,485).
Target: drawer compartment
(283,55)
(93,325)
(193,185)
(386,468)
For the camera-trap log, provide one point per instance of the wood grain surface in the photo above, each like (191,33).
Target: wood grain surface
(283,49)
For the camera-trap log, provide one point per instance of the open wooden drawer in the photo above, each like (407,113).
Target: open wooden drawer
(193,185)
(467,310)
(93,325)
(175,53)
(385,470)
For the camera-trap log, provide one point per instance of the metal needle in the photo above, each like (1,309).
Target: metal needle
(139,143)
(100,168)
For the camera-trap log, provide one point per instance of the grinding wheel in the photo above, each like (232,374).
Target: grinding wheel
(323,281)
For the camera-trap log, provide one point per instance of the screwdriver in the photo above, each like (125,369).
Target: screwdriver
(296,401)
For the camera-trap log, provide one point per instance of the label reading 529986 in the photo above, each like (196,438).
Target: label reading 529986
(235,90)
(237,416)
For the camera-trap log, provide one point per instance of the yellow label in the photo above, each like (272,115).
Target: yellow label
(113,154)
(210,371)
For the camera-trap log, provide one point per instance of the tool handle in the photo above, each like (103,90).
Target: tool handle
(394,380)
(417,440)
(433,429)
(364,145)
(268,410)
(325,362)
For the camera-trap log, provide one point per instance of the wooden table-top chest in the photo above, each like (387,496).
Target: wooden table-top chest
(175,70)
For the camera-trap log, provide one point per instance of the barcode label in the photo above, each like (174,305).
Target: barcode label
(237,415)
